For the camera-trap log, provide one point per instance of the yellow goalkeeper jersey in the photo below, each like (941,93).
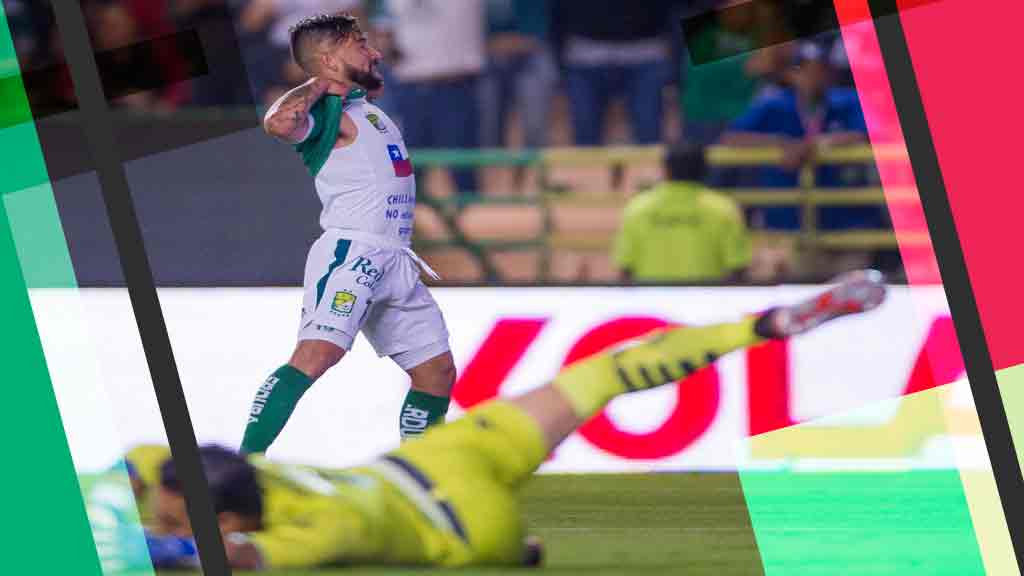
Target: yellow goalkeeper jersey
(314,517)
(145,462)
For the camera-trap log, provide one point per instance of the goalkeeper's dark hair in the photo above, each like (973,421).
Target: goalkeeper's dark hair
(231,479)
(307,34)
(686,163)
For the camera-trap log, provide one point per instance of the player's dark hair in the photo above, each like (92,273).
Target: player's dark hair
(308,33)
(686,163)
(231,479)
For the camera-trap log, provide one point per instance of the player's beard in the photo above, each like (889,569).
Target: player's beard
(369,80)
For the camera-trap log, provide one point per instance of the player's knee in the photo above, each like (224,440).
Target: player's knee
(436,376)
(314,357)
(447,372)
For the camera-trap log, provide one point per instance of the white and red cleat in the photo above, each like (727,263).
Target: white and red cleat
(853,293)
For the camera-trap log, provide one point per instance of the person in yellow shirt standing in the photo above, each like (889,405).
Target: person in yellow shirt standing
(681,231)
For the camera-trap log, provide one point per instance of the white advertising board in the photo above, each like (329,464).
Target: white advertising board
(506,341)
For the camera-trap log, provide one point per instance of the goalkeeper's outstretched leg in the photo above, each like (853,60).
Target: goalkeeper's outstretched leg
(479,460)
(665,356)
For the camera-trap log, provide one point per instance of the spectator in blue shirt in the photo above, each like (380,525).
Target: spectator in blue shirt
(804,113)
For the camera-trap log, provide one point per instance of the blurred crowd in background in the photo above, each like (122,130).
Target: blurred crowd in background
(483,58)
(473,74)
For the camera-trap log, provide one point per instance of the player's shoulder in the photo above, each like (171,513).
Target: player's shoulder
(644,201)
(320,108)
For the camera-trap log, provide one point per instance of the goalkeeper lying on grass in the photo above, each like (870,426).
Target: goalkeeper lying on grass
(449,498)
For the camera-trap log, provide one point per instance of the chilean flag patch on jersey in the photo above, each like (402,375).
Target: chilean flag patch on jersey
(403,166)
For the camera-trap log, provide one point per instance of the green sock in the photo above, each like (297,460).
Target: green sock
(274,403)
(421,411)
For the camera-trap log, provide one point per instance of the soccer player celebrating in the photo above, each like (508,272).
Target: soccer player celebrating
(360,274)
(449,499)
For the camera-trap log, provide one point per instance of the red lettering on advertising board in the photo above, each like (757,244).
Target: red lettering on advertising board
(768,391)
(499,353)
(768,381)
(696,399)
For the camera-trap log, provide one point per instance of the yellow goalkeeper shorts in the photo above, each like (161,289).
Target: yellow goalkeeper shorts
(470,471)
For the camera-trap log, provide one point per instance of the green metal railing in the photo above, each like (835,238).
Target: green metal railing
(616,159)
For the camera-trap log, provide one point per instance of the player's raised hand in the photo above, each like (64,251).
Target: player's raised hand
(287,119)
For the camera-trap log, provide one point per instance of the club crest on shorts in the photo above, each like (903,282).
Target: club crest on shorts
(343,304)
(375,121)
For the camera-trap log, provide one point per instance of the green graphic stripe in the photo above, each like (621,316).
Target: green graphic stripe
(39,238)
(859,519)
(340,254)
(1011,388)
(23,164)
(23,160)
(914,522)
(48,528)
(12,93)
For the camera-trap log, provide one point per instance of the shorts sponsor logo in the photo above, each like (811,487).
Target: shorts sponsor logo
(261,398)
(343,304)
(367,274)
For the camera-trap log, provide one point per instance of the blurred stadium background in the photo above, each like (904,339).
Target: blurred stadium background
(533,125)
(551,119)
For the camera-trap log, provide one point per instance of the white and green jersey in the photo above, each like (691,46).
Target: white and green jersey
(361,274)
(368,186)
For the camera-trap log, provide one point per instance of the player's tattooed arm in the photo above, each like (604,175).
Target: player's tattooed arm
(288,118)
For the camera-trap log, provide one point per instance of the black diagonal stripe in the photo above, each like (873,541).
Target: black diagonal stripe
(688,367)
(427,486)
(413,472)
(648,379)
(623,376)
(453,519)
(666,373)
(953,268)
(208,55)
(711,358)
(626,381)
(146,306)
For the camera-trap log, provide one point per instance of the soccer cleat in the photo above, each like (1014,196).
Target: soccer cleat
(533,552)
(853,293)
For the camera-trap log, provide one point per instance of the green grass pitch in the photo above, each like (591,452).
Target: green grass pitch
(626,524)
(701,524)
